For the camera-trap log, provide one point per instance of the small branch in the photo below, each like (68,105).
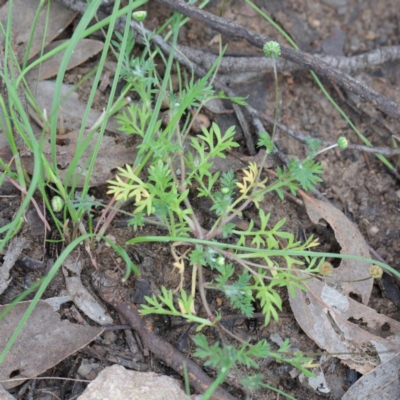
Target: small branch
(261,64)
(303,138)
(231,29)
(110,290)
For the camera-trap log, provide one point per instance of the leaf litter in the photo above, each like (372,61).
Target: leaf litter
(355,333)
(351,274)
(14,251)
(23,15)
(43,342)
(80,295)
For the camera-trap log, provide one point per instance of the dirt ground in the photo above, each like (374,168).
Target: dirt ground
(357,183)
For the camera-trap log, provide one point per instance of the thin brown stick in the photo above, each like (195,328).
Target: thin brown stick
(302,138)
(109,288)
(231,29)
(38,210)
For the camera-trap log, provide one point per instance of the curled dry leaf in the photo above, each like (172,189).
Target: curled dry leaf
(80,295)
(165,117)
(43,342)
(351,275)
(199,121)
(165,103)
(380,384)
(355,333)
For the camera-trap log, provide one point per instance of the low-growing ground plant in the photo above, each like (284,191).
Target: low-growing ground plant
(260,261)
(171,167)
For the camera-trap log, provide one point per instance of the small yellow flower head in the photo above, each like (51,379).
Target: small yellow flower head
(342,143)
(272,49)
(139,16)
(375,272)
(326,268)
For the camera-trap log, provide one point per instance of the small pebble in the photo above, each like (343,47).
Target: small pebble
(315,23)
(112,239)
(373,230)
(200,120)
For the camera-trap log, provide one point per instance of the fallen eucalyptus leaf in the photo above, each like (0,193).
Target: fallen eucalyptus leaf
(380,384)
(351,276)
(24,13)
(80,295)
(355,333)
(43,342)
(71,107)
(4,395)
(85,49)
(56,302)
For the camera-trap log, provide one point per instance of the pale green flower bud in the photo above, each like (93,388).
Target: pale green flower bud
(375,272)
(272,49)
(57,203)
(342,142)
(139,16)
(220,261)
(225,190)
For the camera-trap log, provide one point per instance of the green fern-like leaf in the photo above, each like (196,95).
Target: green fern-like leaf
(239,294)
(305,172)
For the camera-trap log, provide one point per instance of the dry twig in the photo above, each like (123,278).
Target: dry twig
(261,64)
(109,287)
(231,29)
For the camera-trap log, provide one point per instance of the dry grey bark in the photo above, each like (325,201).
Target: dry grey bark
(235,65)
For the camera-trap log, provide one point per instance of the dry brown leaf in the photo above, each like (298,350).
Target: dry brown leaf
(355,333)
(43,342)
(71,107)
(380,384)
(85,49)
(24,13)
(110,156)
(350,274)
(80,295)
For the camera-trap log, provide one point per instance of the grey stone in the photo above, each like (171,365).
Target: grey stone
(118,383)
